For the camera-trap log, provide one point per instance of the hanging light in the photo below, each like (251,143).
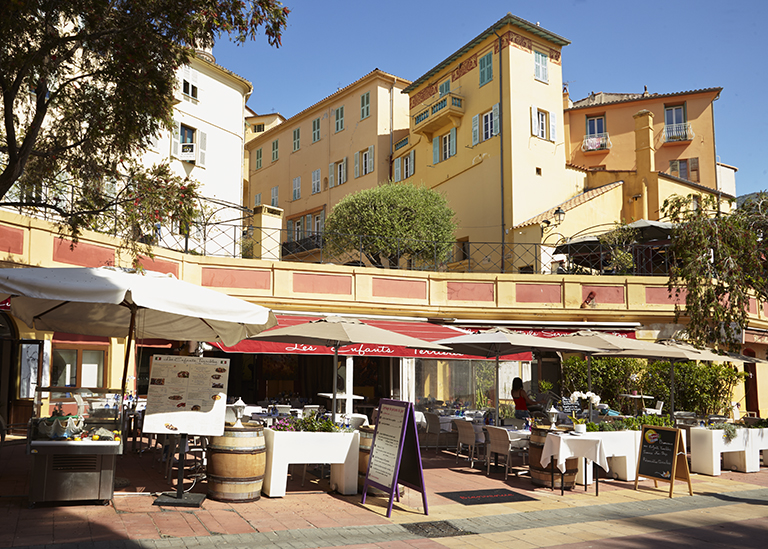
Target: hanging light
(559,215)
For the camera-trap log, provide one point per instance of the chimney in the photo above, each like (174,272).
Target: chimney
(637,194)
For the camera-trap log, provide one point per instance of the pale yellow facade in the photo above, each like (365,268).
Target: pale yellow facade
(342,144)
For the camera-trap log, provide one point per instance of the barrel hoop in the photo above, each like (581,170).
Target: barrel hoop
(231,480)
(253,451)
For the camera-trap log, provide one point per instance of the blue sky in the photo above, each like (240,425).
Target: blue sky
(616,46)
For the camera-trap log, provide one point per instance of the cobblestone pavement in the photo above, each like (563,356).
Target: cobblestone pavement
(726,511)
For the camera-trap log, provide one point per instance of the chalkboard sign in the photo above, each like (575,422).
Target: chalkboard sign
(569,406)
(395,457)
(662,457)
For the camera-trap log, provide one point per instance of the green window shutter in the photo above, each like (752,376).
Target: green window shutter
(307,225)
(475,129)
(322,220)
(258,158)
(496,122)
(290,231)
(397,169)
(331,172)
(435,150)
(343,176)
(486,69)
(453,141)
(357,164)
(370,159)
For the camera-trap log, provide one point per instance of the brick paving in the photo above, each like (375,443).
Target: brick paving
(726,511)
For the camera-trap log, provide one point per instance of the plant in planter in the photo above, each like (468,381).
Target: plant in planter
(729,430)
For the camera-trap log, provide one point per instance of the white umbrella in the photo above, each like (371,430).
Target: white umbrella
(112,302)
(335,332)
(498,342)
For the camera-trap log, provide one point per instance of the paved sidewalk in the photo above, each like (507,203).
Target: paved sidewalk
(726,511)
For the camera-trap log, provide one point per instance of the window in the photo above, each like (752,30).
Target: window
(258,128)
(296,188)
(257,200)
(319,222)
(316,181)
(461,252)
(258,158)
(489,128)
(364,162)
(675,124)
(445,88)
(543,124)
(186,134)
(337,173)
(365,105)
(486,68)
(339,119)
(296,139)
(444,146)
(273,198)
(275,146)
(315,130)
(685,168)
(77,366)
(595,125)
(188,144)
(189,83)
(408,165)
(297,233)
(541,70)
(596,138)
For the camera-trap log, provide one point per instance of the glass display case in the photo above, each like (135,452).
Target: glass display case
(74,454)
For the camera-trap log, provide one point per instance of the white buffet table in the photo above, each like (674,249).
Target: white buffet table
(740,454)
(341,450)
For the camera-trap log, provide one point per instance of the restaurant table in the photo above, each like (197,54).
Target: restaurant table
(639,400)
(340,397)
(564,446)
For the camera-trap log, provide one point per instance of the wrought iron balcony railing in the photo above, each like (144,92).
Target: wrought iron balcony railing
(596,142)
(678,132)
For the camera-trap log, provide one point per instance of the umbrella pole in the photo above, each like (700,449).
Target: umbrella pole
(498,395)
(672,388)
(335,376)
(128,341)
(589,383)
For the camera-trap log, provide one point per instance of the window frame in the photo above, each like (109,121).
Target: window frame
(296,139)
(316,130)
(339,114)
(316,181)
(595,118)
(257,200)
(365,105)
(189,89)
(485,64)
(275,150)
(444,88)
(541,66)
(297,187)
(274,196)
(79,349)
(259,158)
(488,125)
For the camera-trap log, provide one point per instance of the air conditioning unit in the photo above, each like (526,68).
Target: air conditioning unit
(188,152)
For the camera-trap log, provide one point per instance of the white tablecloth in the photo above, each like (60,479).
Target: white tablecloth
(565,446)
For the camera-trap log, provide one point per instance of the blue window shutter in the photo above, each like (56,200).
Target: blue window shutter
(534,120)
(290,231)
(435,150)
(453,141)
(357,164)
(331,170)
(475,129)
(322,220)
(496,122)
(412,155)
(307,225)
(397,169)
(370,159)
(552,127)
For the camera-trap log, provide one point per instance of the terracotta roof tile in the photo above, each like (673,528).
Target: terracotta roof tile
(569,204)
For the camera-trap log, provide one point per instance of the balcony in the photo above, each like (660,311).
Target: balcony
(448,109)
(596,142)
(674,133)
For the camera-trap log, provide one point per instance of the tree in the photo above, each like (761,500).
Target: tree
(390,222)
(86,84)
(719,263)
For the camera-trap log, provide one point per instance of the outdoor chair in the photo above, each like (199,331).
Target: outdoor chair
(499,444)
(654,411)
(433,428)
(468,438)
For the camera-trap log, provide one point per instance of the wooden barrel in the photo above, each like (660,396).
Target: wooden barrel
(542,476)
(236,463)
(366,441)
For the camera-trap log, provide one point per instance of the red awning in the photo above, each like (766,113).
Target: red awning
(427,331)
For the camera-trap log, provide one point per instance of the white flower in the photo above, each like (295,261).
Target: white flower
(589,395)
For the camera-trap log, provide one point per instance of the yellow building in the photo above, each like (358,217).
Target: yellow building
(342,144)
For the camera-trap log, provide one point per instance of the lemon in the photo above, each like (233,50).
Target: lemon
(95,437)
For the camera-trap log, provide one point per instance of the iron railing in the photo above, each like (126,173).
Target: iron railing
(678,132)
(596,142)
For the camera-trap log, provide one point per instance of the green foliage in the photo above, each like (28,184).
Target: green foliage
(485,380)
(619,242)
(392,222)
(719,260)
(312,423)
(545,385)
(610,377)
(729,430)
(699,387)
(87,85)
(631,423)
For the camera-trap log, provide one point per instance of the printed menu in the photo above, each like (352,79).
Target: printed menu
(385,453)
(187,395)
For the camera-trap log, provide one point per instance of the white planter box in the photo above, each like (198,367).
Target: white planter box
(740,454)
(341,450)
(621,449)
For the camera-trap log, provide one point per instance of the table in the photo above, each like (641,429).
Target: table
(340,397)
(561,447)
(639,400)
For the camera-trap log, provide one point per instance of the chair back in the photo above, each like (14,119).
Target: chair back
(433,422)
(358,420)
(516,423)
(283,409)
(498,440)
(466,431)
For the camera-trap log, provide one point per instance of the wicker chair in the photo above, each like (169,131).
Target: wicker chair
(433,428)
(499,443)
(467,437)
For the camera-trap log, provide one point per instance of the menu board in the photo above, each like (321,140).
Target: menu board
(395,457)
(662,457)
(569,406)
(187,395)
